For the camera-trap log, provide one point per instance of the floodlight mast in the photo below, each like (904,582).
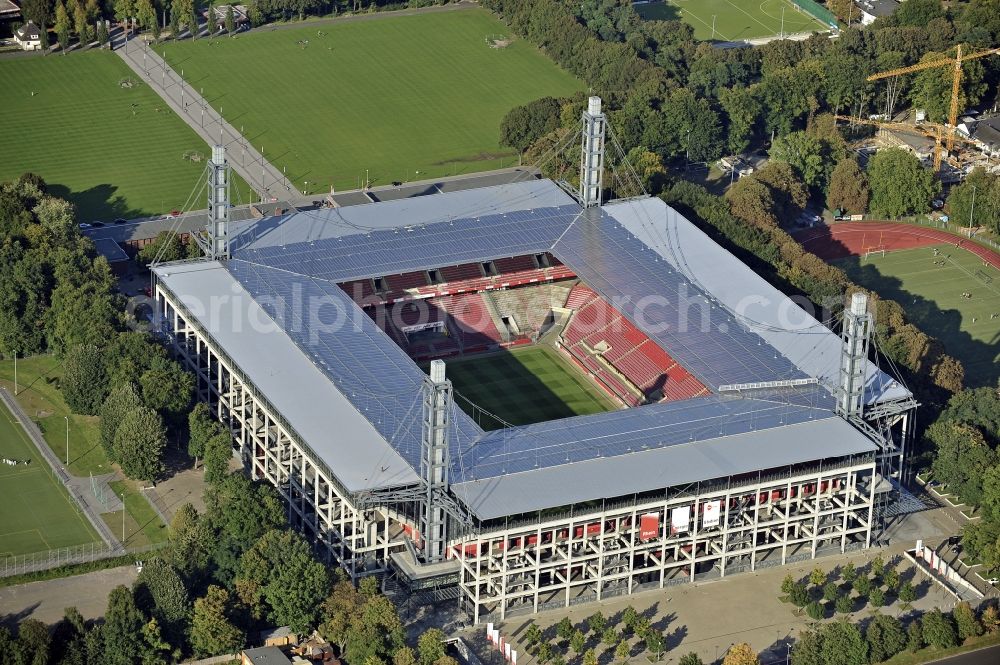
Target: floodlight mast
(858,326)
(434,462)
(218,204)
(592,154)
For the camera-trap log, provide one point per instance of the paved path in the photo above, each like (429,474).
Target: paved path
(263,176)
(46,600)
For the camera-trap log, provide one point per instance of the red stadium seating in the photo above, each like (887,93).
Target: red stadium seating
(472,320)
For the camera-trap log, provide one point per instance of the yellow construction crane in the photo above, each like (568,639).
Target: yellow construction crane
(956,83)
(929,129)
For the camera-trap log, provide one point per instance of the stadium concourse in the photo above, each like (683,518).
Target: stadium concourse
(747,433)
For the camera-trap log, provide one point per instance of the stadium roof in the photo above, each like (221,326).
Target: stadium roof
(327,367)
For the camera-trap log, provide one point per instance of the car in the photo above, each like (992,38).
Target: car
(84,225)
(121,220)
(993,581)
(97,224)
(956,549)
(953,540)
(175,213)
(937,203)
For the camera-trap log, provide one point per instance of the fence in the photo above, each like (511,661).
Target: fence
(818,11)
(65,556)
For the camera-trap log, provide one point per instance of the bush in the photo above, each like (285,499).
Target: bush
(815,611)
(876,597)
(939,631)
(799,595)
(844,604)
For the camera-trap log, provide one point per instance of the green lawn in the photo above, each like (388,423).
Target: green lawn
(734,19)
(112,151)
(522,386)
(38,378)
(932,297)
(36,513)
(405,97)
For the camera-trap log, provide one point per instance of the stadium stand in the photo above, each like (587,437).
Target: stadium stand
(470,321)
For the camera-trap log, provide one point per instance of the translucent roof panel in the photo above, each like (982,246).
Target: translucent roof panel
(367,367)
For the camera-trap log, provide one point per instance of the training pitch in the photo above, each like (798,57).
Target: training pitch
(36,513)
(522,386)
(113,151)
(930,289)
(734,19)
(400,98)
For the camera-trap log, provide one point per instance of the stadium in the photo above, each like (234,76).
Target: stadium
(632,406)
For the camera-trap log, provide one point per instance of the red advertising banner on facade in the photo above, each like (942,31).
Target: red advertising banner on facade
(649,526)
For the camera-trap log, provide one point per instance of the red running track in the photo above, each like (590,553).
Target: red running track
(840,240)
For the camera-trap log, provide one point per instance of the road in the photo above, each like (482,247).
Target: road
(46,600)
(145,228)
(264,177)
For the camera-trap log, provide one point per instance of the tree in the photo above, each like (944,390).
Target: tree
(590,657)
(280,579)
(167,388)
(876,597)
(885,637)
(900,185)
(230,20)
(962,457)
(830,592)
(523,125)
(878,567)
(212,630)
(596,623)
(33,644)
(430,646)
(533,635)
(81,23)
(787,584)
(201,428)
(564,629)
(102,32)
(751,201)
(991,619)
(743,110)
(844,604)
(808,648)
(84,382)
(175,23)
(741,654)
(843,644)
(218,452)
(610,636)
(939,631)
(655,642)
(404,656)
(914,636)
(848,573)
(966,622)
(891,579)
(578,641)
(122,622)
(815,611)
(629,615)
(121,401)
(690,659)
(160,594)
(863,585)
(848,190)
(800,595)
(931,89)
(62,26)
(976,201)
(817,577)
(649,167)
(139,444)
(806,154)
(622,652)
(545,653)
(167,246)
(907,594)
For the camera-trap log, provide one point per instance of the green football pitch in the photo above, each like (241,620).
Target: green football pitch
(734,19)
(400,98)
(113,151)
(522,386)
(36,513)
(930,289)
